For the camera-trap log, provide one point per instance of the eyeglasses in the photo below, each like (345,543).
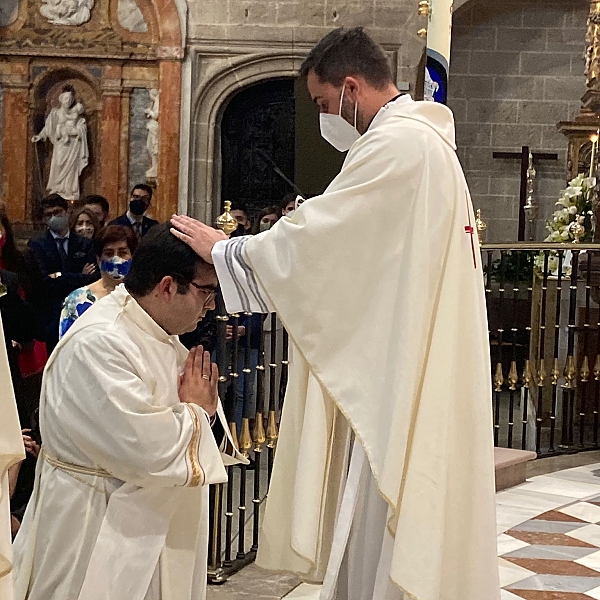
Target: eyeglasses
(211,292)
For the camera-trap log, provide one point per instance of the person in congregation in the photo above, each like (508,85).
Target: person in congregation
(239,212)
(135,217)
(65,259)
(121,499)
(84,222)
(267,218)
(99,206)
(383,481)
(114,247)
(288,204)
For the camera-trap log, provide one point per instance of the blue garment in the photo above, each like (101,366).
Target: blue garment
(75,304)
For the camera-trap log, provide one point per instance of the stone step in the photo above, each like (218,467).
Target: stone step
(511,466)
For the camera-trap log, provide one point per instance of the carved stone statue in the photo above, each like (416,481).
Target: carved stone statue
(431,87)
(153,132)
(67,12)
(131,17)
(66,128)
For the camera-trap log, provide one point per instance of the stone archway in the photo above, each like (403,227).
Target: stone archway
(225,76)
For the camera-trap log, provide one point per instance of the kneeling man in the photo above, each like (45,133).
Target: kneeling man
(120,505)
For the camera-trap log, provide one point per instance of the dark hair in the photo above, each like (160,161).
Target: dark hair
(291,197)
(84,211)
(10,254)
(21,263)
(115,233)
(100,200)
(241,207)
(346,52)
(53,200)
(161,254)
(142,186)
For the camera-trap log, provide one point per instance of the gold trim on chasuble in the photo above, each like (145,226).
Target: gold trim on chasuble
(193,450)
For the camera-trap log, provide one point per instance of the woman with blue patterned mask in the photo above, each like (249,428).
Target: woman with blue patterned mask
(114,247)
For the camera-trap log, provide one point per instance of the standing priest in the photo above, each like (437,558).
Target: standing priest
(120,505)
(383,485)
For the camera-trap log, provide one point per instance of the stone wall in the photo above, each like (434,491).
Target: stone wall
(516,71)
(303,22)
(235,43)
(139,161)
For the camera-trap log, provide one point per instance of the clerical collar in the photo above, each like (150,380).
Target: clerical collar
(399,96)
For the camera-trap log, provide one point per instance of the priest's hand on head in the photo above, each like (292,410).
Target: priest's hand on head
(199,380)
(198,236)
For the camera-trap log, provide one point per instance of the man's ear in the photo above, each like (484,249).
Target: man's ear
(166,288)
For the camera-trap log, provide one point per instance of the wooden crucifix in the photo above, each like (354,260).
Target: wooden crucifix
(524,156)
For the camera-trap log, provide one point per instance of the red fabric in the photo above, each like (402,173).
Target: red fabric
(33,360)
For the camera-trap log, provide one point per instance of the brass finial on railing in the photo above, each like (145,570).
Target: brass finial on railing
(234,437)
(498,378)
(570,373)
(527,374)
(513,376)
(245,438)
(555,373)
(272,431)
(541,373)
(227,222)
(584,372)
(481,227)
(258,433)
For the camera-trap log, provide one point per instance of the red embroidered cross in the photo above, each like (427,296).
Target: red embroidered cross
(471,230)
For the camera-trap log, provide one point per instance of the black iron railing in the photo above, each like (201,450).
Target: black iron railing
(543,303)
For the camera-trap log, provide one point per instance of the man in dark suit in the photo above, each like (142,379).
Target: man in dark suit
(67,262)
(139,202)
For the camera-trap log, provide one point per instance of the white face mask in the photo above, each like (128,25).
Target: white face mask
(336,130)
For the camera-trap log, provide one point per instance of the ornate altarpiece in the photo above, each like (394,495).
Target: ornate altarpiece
(104,58)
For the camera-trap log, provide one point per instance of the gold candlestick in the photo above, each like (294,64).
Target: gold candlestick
(481,227)
(594,140)
(227,222)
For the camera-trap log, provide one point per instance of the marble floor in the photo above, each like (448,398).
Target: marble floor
(548,540)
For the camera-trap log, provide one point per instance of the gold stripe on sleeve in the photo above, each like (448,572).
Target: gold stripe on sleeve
(193,450)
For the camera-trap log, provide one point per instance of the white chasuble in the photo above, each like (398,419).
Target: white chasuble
(379,284)
(11,452)
(120,505)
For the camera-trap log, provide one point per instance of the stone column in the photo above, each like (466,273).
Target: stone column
(16,142)
(168,156)
(110,135)
(123,193)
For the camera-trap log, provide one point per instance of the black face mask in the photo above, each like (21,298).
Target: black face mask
(137,207)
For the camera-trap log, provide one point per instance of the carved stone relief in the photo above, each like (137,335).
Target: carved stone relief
(67,12)
(131,17)
(9,10)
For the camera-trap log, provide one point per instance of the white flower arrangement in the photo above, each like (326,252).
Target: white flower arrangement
(577,200)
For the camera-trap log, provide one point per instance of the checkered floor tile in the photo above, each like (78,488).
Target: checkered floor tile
(555,556)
